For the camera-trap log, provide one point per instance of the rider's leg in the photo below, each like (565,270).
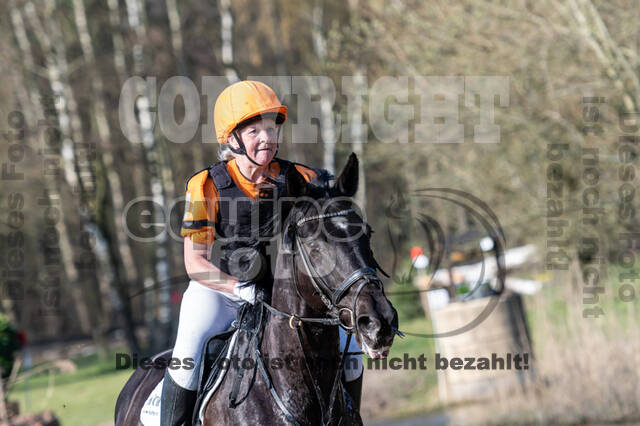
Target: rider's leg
(176,403)
(354,389)
(203,313)
(353,369)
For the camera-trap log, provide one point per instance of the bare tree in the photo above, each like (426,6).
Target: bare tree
(357,110)
(71,127)
(326,106)
(176,34)
(226,15)
(57,88)
(586,21)
(115,184)
(160,181)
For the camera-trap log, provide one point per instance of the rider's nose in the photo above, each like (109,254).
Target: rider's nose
(264,137)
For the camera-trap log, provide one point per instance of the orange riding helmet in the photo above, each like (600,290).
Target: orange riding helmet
(242,101)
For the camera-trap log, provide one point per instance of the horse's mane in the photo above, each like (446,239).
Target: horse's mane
(317,189)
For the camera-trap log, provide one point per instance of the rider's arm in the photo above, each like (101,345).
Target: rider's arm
(201,270)
(198,232)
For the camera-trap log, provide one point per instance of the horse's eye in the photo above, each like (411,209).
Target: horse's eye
(315,248)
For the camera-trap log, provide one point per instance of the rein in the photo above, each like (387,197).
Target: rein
(330,298)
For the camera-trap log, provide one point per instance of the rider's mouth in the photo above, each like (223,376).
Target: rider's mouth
(375,353)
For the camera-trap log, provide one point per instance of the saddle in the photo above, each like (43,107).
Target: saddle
(217,353)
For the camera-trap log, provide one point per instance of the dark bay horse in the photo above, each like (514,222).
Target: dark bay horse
(324,277)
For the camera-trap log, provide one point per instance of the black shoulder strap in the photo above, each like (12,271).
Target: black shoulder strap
(284,165)
(220,175)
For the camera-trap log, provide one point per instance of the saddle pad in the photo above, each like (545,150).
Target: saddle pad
(223,371)
(150,413)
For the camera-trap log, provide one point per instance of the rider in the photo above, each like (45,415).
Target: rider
(247,118)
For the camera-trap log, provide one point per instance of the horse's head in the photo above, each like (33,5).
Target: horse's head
(334,270)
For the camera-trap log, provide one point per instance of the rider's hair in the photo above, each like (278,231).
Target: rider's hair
(225,153)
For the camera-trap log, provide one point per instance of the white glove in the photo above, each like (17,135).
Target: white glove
(245,290)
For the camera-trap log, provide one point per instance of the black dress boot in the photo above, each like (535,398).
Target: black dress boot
(176,404)
(354,389)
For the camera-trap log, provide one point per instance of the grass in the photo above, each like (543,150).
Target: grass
(586,369)
(402,393)
(87,396)
(420,394)
(413,345)
(84,397)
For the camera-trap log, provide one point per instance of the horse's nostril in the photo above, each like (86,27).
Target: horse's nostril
(368,324)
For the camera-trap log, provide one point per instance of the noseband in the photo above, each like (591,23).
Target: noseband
(330,297)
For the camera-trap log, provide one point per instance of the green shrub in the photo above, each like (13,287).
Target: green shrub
(9,343)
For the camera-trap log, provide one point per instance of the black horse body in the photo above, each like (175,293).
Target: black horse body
(309,359)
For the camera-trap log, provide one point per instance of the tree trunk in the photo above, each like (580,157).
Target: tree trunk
(327,125)
(590,26)
(71,129)
(57,88)
(160,181)
(357,140)
(355,125)
(226,27)
(176,35)
(115,185)
(34,102)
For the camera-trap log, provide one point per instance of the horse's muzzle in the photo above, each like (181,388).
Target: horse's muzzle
(376,322)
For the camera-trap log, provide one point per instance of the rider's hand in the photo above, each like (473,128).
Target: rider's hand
(246,290)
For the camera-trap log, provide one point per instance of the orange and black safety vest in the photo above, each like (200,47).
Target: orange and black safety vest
(244,226)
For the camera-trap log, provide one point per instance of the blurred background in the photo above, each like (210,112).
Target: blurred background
(91,196)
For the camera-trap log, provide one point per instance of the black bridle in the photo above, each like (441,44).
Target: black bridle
(330,298)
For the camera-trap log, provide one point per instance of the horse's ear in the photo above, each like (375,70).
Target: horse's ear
(347,183)
(296,185)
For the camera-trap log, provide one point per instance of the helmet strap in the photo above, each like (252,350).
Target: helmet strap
(277,141)
(242,150)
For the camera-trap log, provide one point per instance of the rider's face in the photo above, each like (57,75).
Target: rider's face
(260,140)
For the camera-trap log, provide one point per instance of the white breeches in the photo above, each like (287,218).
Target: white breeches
(205,312)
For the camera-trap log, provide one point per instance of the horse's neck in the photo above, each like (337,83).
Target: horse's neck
(322,339)
(320,344)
